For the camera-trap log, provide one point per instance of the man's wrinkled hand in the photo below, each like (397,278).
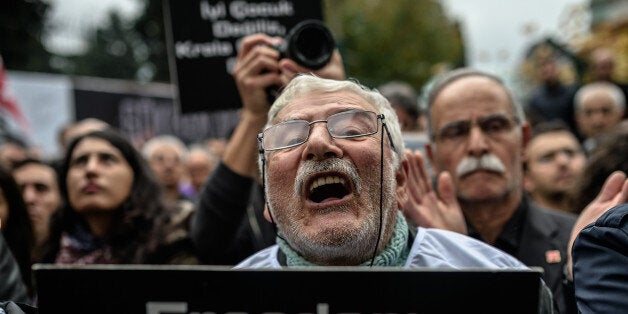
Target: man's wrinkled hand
(422,205)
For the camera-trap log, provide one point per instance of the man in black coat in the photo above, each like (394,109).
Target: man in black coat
(478,135)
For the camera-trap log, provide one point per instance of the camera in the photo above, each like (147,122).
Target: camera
(309,43)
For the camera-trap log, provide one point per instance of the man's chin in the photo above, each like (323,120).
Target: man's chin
(334,246)
(331,229)
(483,193)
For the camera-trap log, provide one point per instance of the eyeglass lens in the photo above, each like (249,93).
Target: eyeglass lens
(340,125)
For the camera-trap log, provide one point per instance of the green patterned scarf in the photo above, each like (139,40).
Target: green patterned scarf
(394,254)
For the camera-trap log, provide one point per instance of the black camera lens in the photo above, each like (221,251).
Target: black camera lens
(310,44)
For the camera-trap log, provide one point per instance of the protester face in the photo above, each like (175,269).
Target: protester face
(167,164)
(99,178)
(324,193)
(406,121)
(597,114)
(554,161)
(548,72)
(603,66)
(485,158)
(199,167)
(40,192)
(10,154)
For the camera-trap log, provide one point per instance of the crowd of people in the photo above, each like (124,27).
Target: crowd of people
(334,173)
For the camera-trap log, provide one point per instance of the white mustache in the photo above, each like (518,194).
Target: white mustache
(310,167)
(485,162)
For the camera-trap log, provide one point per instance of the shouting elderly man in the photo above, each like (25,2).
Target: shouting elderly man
(331,158)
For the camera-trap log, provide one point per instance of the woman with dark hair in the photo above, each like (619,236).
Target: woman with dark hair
(16,226)
(114,212)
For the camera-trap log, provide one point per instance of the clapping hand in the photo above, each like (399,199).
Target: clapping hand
(422,204)
(613,192)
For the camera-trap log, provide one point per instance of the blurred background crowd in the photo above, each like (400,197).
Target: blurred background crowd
(572,82)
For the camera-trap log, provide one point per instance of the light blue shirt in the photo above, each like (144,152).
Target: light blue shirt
(431,248)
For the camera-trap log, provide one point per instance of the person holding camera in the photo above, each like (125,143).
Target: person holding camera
(229,223)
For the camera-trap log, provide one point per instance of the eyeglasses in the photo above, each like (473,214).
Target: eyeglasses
(348,124)
(492,126)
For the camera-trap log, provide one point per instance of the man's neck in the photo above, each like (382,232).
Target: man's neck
(558,201)
(488,218)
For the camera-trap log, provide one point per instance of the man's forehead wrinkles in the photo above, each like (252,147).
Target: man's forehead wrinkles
(303,108)
(304,116)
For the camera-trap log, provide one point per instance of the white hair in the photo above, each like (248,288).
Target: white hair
(307,83)
(619,100)
(164,140)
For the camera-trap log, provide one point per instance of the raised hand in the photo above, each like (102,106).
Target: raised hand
(256,69)
(613,192)
(422,205)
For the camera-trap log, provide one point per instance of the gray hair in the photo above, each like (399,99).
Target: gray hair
(308,83)
(401,94)
(619,100)
(452,76)
(164,140)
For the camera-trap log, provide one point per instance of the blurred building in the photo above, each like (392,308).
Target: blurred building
(138,110)
(609,27)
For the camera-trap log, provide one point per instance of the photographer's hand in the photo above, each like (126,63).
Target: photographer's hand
(333,70)
(256,69)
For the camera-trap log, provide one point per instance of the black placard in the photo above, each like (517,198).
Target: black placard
(203,37)
(211,289)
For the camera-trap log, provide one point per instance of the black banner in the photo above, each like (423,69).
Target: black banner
(203,36)
(141,116)
(174,289)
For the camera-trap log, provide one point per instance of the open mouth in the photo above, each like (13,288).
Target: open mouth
(327,187)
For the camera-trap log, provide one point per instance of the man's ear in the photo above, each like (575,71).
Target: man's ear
(430,156)
(401,176)
(526,134)
(267,214)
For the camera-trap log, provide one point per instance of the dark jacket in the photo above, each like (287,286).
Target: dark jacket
(546,232)
(11,285)
(538,237)
(229,225)
(17,308)
(548,103)
(600,264)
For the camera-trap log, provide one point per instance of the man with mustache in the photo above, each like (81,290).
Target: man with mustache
(331,176)
(478,134)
